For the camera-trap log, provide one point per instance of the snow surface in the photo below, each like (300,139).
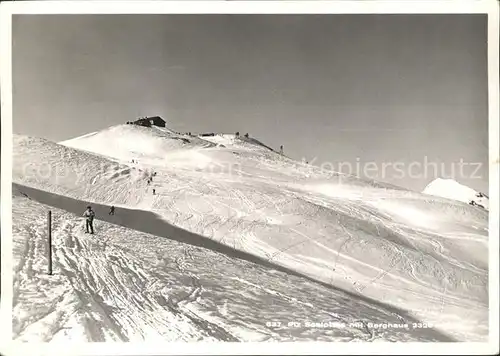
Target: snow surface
(424,254)
(124,285)
(451,189)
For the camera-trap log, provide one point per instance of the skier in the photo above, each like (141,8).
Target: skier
(154,191)
(281,149)
(112,210)
(89,219)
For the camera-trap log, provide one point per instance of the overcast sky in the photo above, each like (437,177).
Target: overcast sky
(341,88)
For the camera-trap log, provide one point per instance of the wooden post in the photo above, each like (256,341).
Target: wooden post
(49,247)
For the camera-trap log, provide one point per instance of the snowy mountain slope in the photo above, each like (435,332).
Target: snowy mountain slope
(123,285)
(132,141)
(41,163)
(451,189)
(425,254)
(242,142)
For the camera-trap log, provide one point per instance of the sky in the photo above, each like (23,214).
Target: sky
(405,95)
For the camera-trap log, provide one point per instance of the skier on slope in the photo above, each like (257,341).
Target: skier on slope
(89,220)
(112,210)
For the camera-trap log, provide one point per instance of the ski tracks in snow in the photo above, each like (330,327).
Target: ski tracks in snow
(193,296)
(42,304)
(103,288)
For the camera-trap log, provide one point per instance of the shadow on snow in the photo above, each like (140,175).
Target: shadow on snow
(148,222)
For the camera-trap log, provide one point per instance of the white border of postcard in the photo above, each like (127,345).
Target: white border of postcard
(489,7)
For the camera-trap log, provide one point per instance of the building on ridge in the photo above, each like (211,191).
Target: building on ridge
(150,121)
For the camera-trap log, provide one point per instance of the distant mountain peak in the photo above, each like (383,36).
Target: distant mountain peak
(451,189)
